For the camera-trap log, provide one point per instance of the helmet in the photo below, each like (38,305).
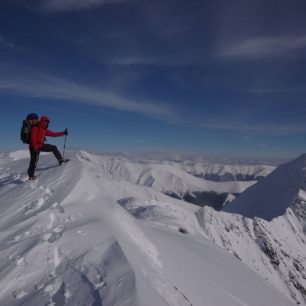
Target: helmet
(32,116)
(45,118)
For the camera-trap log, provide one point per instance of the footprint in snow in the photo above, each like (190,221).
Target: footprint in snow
(69,219)
(48,191)
(19,294)
(21,262)
(58,207)
(25,234)
(59,228)
(33,184)
(82,233)
(47,237)
(52,237)
(40,203)
(18,237)
(29,206)
(55,234)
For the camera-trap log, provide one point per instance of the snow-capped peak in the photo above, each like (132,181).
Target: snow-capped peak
(271,197)
(265,227)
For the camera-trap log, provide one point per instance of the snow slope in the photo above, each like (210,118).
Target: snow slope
(81,236)
(265,227)
(272,197)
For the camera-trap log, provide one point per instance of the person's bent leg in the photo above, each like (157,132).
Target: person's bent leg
(53,149)
(33,162)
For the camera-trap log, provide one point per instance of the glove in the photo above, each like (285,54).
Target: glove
(66,132)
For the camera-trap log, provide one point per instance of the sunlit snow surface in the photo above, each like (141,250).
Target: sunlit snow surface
(82,235)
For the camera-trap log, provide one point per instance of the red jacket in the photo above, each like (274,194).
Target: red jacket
(39,132)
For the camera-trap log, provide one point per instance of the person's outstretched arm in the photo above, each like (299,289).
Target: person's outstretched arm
(54,134)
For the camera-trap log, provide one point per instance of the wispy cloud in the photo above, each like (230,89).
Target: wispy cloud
(33,84)
(6,43)
(163,59)
(261,47)
(266,128)
(67,5)
(263,91)
(137,60)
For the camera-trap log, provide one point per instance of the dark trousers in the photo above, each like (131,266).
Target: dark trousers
(35,156)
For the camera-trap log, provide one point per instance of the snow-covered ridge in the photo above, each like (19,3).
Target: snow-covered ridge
(222,172)
(164,177)
(276,249)
(176,179)
(277,192)
(268,227)
(188,159)
(80,236)
(208,168)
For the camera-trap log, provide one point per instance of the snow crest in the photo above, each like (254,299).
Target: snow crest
(98,231)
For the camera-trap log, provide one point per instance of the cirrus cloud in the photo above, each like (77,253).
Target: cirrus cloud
(29,83)
(68,5)
(4,42)
(263,47)
(267,128)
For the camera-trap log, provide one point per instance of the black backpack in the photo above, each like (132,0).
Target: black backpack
(25,133)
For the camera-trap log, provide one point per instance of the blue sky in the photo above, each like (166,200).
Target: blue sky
(224,78)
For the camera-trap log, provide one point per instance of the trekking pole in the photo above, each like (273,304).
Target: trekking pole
(64,146)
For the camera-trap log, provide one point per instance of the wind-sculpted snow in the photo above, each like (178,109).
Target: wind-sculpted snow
(87,233)
(163,214)
(46,256)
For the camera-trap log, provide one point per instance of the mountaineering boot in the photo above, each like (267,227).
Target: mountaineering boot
(63,160)
(32,178)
